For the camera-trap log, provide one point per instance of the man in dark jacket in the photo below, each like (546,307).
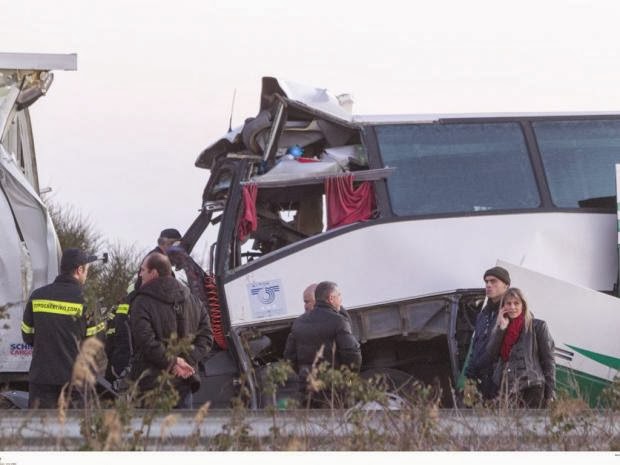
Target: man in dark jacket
(118,343)
(162,308)
(309,299)
(480,366)
(324,327)
(55,323)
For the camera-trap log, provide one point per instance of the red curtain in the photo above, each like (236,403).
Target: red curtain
(347,204)
(248,221)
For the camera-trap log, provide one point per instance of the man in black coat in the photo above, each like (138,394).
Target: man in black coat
(118,343)
(323,328)
(162,308)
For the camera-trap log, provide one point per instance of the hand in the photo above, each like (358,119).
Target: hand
(502,319)
(182,369)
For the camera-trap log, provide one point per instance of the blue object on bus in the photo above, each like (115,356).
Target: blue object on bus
(295,150)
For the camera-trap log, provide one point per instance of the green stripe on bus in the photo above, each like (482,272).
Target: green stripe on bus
(607,360)
(581,385)
(57,307)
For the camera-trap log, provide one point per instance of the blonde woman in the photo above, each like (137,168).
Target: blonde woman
(524,348)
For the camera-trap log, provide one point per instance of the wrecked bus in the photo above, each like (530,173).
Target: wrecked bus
(29,248)
(405,213)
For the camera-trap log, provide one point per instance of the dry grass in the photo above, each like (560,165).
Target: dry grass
(357,415)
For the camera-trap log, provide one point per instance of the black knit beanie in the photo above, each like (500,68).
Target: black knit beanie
(500,273)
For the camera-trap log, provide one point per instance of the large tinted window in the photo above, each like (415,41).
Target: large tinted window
(457,168)
(579,159)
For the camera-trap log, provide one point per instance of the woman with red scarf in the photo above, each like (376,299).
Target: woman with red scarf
(526,368)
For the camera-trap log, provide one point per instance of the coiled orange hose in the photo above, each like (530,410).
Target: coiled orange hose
(215,312)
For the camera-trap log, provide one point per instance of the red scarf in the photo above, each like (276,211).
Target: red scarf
(512,334)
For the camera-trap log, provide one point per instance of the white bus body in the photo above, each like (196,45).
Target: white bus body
(453,194)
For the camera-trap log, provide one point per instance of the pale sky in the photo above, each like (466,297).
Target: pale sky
(118,137)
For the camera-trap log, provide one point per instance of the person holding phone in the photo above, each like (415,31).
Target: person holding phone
(479,367)
(524,348)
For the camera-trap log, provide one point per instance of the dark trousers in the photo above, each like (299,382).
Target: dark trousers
(186,397)
(43,395)
(46,396)
(532,397)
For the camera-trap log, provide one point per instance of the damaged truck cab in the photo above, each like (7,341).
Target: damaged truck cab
(29,248)
(403,212)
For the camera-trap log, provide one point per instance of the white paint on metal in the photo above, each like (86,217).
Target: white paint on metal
(395,261)
(317,98)
(39,61)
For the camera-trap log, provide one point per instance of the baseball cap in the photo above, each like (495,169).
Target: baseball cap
(170,233)
(73,257)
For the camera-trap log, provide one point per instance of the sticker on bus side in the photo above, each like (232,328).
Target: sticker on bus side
(267,298)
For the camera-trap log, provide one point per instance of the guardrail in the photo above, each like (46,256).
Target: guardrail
(186,430)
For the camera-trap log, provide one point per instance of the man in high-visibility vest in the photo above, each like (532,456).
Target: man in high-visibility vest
(55,323)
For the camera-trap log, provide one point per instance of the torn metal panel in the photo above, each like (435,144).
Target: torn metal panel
(312,114)
(287,170)
(318,99)
(29,235)
(31,215)
(231,142)
(29,257)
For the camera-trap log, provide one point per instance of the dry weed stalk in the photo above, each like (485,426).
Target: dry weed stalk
(112,424)
(201,414)
(315,384)
(168,422)
(89,363)
(63,405)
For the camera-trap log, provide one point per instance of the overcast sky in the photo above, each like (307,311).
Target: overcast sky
(118,138)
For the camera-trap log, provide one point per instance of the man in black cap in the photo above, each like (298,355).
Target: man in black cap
(55,323)
(479,367)
(167,238)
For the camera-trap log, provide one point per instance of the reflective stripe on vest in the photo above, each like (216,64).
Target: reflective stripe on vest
(110,332)
(122,309)
(27,329)
(57,307)
(92,330)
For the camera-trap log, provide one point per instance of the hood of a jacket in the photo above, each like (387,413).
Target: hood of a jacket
(167,290)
